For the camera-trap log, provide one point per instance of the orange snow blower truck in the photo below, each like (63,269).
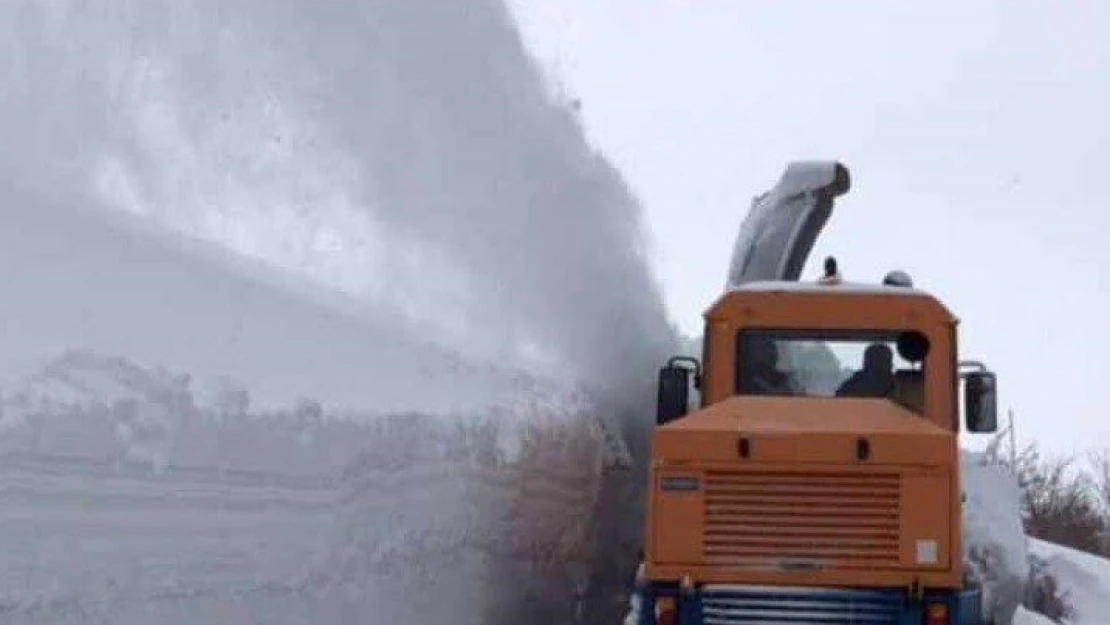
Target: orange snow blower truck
(818,480)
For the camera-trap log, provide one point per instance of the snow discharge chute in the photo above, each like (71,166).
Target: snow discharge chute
(776,237)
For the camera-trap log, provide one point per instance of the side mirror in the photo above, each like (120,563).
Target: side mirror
(981,402)
(674,390)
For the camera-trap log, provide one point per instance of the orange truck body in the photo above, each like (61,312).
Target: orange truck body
(801,507)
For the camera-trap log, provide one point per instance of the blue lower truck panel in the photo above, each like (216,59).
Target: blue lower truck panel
(769,605)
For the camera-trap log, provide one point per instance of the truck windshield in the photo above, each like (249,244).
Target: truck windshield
(832,364)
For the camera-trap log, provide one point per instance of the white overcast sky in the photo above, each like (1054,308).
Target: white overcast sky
(977,133)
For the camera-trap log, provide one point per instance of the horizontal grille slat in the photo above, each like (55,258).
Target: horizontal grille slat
(839,520)
(765,542)
(808,510)
(821,499)
(725,521)
(825,559)
(806,530)
(798,606)
(817,483)
(814,481)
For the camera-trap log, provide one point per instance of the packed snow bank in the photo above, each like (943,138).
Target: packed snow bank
(995,546)
(1023,616)
(1084,580)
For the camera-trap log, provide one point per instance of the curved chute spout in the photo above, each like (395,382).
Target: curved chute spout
(777,235)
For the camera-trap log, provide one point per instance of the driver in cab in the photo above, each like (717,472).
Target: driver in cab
(875,379)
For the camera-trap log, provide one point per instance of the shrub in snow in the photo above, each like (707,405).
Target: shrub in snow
(145,432)
(1061,504)
(500,518)
(1100,464)
(1043,593)
(549,526)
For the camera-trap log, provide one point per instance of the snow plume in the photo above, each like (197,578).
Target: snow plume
(405,153)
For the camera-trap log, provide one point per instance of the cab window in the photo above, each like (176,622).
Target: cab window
(833,364)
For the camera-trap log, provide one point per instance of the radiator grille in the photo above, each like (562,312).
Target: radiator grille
(724,605)
(822,520)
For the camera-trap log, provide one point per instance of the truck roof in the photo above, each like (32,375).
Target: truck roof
(858,288)
(770,294)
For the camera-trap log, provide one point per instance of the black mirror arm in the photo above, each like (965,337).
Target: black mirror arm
(692,361)
(972,364)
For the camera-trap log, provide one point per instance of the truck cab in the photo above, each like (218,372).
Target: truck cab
(817,479)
